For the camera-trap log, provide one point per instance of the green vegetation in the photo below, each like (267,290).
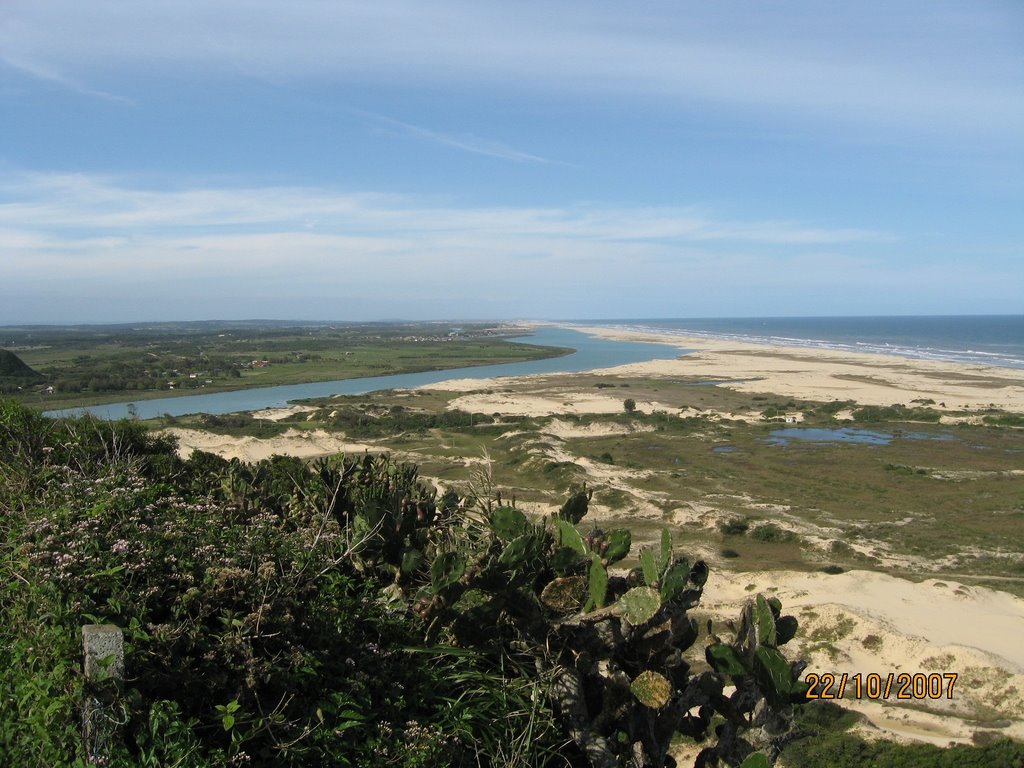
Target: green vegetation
(11,366)
(771,533)
(833,745)
(87,365)
(238,424)
(1004,419)
(945,498)
(342,614)
(736,527)
(876,414)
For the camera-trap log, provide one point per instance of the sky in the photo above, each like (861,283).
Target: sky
(405,159)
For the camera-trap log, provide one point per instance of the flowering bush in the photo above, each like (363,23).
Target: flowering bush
(250,634)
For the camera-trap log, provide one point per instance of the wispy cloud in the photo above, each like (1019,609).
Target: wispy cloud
(74,205)
(861,64)
(50,76)
(466,142)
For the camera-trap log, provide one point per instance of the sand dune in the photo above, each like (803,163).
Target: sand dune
(861,622)
(291,443)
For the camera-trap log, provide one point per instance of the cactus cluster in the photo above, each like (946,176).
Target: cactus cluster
(548,598)
(612,643)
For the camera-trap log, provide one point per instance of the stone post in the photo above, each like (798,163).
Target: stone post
(103,646)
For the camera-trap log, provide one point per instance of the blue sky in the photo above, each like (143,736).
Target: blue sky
(343,160)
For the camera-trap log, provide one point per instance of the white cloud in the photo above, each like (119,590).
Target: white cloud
(77,205)
(79,235)
(105,243)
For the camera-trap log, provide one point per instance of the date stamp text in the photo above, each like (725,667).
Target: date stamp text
(893,685)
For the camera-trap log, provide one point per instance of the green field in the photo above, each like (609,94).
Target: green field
(90,365)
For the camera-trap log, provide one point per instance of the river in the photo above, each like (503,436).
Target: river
(591,352)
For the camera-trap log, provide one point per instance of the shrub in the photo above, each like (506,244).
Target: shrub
(772,533)
(1004,420)
(838,547)
(734,527)
(877,413)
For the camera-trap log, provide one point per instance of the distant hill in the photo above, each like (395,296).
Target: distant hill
(12,367)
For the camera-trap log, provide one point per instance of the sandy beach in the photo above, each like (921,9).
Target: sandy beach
(796,372)
(858,622)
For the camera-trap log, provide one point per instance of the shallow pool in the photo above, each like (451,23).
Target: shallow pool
(829,435)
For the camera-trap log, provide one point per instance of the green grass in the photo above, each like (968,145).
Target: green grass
(832,745)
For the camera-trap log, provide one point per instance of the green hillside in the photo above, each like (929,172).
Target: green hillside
(12,367)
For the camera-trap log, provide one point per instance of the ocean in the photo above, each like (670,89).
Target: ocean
(982,339)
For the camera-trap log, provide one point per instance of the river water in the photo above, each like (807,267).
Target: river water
(591,352)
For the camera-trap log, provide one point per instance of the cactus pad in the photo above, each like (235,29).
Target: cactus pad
(508,522)
(639,604)
(649,566)
(446,570)
(597,584)
(765,622)
(666,550)
(566,594)
(619,542)
(569,537)
(675,580)
(575,507)
(651,689)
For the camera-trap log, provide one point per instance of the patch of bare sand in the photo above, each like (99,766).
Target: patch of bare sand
(304,444)
(544,404)
(566,430)
(276,414)
(863,622)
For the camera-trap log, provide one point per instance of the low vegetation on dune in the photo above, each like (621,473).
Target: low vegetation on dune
(910,497)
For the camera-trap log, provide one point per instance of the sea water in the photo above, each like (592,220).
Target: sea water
(996,340)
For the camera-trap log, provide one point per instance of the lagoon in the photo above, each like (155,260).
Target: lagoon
(591,352)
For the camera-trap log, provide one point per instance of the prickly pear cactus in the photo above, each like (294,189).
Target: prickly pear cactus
(611,644)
